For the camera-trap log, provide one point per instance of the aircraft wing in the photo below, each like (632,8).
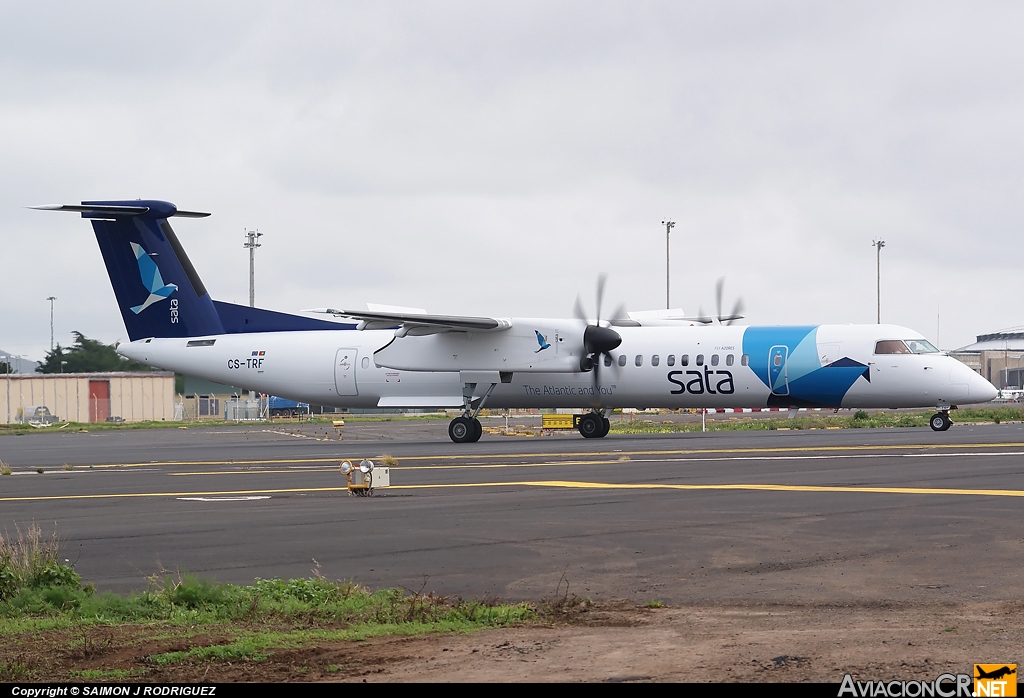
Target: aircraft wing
(418,323)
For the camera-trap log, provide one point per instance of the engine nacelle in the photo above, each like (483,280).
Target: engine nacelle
(529,345)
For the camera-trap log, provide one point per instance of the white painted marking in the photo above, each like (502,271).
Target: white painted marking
(222,499)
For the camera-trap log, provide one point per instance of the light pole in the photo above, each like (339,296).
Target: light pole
(51,299)
(878,245)
(669,224)
(252,242)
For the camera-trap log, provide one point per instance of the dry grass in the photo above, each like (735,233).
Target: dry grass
(25,556)
(4,468)
(387,459)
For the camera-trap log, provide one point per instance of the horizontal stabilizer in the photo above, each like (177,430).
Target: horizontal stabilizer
(106,210)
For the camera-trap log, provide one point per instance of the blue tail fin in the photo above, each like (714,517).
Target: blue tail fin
(157,288)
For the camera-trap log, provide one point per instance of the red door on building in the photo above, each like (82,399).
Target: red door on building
(99,401)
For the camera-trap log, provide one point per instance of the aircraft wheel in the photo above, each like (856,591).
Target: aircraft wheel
(461,430)
(590,426)
(606,426)
(940,421)
(478,430)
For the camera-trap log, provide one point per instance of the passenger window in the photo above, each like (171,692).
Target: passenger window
(777,359)
(684,360)
(655,360)
(745,359)
(622,360)
(607,360)
(714,360)
(729,360)
(891,346)
(671,360)
(700,359)
(639,360)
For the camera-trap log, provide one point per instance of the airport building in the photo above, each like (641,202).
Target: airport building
(998,357)
(87,397)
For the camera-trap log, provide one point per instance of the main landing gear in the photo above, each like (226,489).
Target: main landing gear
(465,430)
(940,421)
(593,425)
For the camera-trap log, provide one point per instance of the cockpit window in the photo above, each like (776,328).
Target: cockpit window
(921,346)
(891,346)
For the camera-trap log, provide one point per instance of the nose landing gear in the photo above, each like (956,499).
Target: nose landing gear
(940,421)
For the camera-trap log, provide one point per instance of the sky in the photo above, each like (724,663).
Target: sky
(495,158)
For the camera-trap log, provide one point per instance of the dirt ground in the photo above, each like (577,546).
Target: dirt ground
(614,642)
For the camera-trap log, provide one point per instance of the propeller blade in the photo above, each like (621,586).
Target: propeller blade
(718,296)
(601,279)
(579,312)
(701,317)
(620,315)
(736,313)
(596,402)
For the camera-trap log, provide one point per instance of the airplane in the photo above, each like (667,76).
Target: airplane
(995,674)
(390,357)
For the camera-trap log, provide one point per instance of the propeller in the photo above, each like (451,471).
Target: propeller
(737,309)
(598,340)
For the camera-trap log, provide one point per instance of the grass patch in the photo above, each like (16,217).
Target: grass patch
(80,427)
(859,420)
(32,573)
(184,620)
(104,674)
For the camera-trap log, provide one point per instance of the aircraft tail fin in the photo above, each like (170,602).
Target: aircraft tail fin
(157,288)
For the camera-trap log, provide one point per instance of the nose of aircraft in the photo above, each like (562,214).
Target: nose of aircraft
(981,389)
(967,387)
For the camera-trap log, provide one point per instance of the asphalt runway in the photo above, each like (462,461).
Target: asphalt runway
(817,516)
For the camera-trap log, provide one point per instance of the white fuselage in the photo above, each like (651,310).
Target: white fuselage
(338,368)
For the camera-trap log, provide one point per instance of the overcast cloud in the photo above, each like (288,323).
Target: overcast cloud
(493,158)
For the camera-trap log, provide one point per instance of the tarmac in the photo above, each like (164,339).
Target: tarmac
(858,515)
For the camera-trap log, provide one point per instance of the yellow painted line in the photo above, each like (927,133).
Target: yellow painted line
(757,487)
(693,451)
(625,463)
(589,454)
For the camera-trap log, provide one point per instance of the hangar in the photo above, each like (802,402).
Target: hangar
(998,356)
(88,397)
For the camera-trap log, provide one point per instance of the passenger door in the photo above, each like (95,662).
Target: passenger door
(777,376)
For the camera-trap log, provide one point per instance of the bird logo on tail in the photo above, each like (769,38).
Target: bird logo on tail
(151,279)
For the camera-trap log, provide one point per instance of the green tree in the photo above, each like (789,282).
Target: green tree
(87,356)
(5,368)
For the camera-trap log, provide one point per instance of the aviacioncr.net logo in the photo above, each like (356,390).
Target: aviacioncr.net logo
(945,686)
